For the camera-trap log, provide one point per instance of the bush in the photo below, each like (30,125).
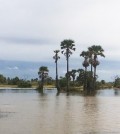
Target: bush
(63,82)
(24,84)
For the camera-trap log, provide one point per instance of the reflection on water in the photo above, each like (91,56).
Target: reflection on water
(30,112)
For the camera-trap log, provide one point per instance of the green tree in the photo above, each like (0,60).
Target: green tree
(43,73)
(117,82)
(2,79)
(67,47)
(24,84)
(15,80)
(90,53)
(62,82)
(56,57)
(72,73)
(85,54)
(80,77)
(97,50)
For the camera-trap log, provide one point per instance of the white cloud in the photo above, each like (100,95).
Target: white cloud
(13,68)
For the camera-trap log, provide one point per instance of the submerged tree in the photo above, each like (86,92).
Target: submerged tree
(97,50)
(67,47)
(56,57)
(43,73)
(73,75)
(85,54)
(80,77)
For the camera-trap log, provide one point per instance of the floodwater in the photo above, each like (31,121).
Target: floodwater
(30,112)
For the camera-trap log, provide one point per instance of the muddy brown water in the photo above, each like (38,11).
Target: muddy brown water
(30,112)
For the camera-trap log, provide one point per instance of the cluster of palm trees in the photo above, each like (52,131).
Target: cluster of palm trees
(90,59)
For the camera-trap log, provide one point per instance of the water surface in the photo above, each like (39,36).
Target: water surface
(30,112)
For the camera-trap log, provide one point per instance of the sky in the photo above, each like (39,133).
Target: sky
(31,30)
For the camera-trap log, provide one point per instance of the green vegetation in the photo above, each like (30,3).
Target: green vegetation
(24,84)
(14,82)
(117,82)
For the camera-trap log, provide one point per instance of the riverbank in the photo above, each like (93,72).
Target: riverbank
(16,86)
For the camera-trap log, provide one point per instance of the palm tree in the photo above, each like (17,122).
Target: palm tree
(67,47)
(85,54)
(56,57)
(80,77)
(90,51)
(43,73)
(97,50)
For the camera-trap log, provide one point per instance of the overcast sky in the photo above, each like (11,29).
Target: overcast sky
(31,29)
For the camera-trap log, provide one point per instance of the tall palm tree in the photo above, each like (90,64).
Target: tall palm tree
(67,47)
(56,57)
(43,73)
(85,54)
(97,50)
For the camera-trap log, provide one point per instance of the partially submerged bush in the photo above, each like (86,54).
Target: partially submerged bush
(24,84)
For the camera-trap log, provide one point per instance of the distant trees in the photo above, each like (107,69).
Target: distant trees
(15,81)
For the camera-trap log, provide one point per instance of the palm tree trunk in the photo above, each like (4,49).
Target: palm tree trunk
(57,77)
(85,78)
(67,72)
(91,70)
(73,81)
(94,78)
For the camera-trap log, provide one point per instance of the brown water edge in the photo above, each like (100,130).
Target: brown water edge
(30,112)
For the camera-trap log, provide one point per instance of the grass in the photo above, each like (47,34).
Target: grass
(8,86)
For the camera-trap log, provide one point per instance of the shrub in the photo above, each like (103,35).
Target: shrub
(24,84)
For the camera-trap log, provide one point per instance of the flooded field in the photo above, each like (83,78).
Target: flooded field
(30,112)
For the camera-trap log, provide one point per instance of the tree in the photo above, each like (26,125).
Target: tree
(80,77)
(117,82)
(2,79)
(90,54)
(56,57)
(72,73)
(85,54)
(15,80)
(43,73)
(67,47)
(97,50)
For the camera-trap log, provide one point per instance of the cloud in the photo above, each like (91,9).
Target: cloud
(13,68)
(23,40)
